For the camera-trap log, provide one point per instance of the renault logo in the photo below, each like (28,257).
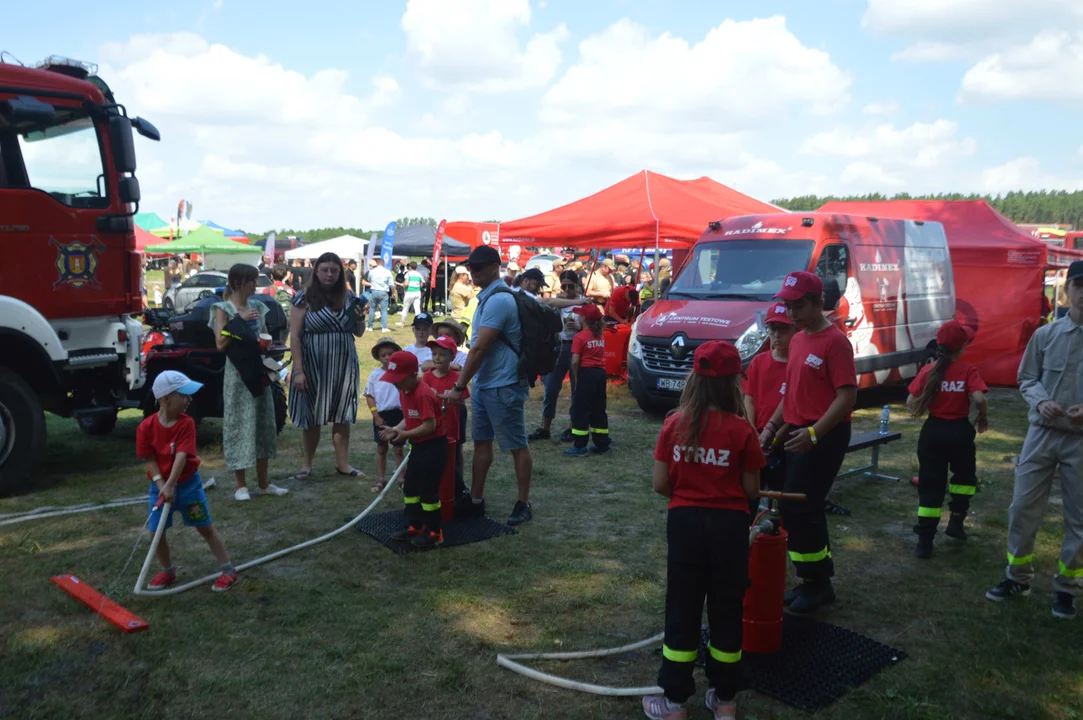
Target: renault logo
(679,347)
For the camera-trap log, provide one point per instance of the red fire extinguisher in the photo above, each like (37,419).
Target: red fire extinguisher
(763,605)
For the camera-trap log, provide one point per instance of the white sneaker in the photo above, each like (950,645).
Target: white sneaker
(722,709)
(386,330)
(242,494)
(272,489)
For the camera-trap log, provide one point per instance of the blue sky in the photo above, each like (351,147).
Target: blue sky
(281,114)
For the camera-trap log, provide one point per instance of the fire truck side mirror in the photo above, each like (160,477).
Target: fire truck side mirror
(120,133)
(27,109)
(129,189)
(146,129)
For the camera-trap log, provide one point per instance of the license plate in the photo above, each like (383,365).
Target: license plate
(675,384)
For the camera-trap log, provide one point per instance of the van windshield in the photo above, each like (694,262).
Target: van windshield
(740,269)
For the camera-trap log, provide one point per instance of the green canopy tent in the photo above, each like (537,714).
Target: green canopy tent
(218,251)
(204,241)
(150,221)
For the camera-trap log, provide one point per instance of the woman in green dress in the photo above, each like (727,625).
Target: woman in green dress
(248,423)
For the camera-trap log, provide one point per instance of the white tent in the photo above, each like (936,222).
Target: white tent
(347,247)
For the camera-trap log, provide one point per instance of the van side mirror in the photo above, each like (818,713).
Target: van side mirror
(120,135)
(27,109)
(832,294)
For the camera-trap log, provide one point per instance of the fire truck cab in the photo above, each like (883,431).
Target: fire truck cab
(70,275)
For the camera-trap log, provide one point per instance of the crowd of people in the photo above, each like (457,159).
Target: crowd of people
(782,423)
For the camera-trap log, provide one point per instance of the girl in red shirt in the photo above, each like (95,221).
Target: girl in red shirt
(707,462)
(945,390)
(821,389)
(588,369)
(765,385)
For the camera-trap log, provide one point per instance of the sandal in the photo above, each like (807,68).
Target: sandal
(379,486)
(351,473)
(301,475)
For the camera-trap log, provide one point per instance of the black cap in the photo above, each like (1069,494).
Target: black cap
(483,255)
(1075,270)
(382,343)
(422,319)
(535,274)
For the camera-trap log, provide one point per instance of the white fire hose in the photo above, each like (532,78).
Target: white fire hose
(509,661)
(165,509)
(60,510)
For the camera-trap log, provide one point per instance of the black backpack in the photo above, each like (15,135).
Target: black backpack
(540,329)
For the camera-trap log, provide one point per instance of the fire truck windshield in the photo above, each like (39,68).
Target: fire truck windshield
(63,158)
(740,269)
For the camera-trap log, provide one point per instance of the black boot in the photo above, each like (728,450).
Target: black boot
(955,526)
(813,595)
(924,550)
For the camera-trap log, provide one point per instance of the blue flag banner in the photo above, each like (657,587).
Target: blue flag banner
(269,246)
(388,244)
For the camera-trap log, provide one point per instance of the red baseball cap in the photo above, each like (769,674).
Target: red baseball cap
(799,284)
(777,314)
(954,335)
(716,358)
(589,312)
(444,341)
(400,366)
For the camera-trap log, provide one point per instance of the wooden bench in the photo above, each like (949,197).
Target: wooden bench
(870,439)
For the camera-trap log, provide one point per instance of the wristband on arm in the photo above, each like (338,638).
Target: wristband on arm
(812,434)
(157,478)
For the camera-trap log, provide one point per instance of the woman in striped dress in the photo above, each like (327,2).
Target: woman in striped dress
(324,385)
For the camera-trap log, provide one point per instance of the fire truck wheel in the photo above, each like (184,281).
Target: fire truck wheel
(22,432)
(278,394)
(98,424)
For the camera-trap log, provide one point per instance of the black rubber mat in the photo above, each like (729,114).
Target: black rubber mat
(818,663)
(460,531)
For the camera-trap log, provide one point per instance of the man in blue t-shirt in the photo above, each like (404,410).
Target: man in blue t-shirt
(498,400)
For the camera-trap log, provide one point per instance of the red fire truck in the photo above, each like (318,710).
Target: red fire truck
(70,275)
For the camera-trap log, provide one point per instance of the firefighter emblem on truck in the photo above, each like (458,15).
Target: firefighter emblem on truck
(77,263)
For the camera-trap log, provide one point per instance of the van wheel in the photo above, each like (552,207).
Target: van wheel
(278,395)
(98,424)
(22,432)
(654,407)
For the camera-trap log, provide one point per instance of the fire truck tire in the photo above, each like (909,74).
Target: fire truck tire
(22,440)
(98,424)
(278,393)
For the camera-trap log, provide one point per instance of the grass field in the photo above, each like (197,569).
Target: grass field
(349,630)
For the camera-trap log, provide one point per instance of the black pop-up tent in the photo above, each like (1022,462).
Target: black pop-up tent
(419,241)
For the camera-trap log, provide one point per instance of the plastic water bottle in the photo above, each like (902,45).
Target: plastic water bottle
(885,419)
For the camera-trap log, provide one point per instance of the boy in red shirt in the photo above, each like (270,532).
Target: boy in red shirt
(765,385)
(707,462)
(945,390)
(166,441)
(441,378)
(821,389)
(588,369)
(423,425)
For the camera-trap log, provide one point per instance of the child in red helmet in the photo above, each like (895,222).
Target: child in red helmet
(945,390)
(707,462)
(423,425)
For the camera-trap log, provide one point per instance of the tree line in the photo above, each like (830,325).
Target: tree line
(1042,206)
(320,234)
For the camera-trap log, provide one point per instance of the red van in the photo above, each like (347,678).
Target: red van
(889,283)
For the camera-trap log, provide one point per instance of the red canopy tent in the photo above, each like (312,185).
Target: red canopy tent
(646,209)
(999,275)
(144,238)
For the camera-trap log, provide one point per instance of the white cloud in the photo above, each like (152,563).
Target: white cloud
(884,108)
(870,175)
(737,76)
(936,51)
(1024,173)
(475,45)
(1047,68)
(921,145)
